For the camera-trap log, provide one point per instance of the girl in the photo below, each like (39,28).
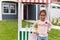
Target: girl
(44,26)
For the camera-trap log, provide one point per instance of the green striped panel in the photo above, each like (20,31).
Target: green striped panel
(20,35)
(25,35)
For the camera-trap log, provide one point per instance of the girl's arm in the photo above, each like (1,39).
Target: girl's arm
(49,27)
(35,23)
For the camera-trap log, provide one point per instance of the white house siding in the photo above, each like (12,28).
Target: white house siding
(54,12)
(0,11)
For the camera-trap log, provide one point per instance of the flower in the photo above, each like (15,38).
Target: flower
(46,22)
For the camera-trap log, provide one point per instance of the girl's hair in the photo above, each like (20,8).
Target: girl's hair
(44,11)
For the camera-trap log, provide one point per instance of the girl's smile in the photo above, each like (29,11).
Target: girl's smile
(42,16)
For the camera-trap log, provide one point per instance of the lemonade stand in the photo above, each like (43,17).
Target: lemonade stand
(23,33)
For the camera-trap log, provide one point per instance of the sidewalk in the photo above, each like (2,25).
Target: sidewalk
(54,27)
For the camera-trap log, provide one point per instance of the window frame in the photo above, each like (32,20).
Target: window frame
(9,13)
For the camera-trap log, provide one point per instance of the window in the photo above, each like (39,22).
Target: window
(9,8)
(58,7)
(42,6)
(6,8)
(12,8)
(53,7)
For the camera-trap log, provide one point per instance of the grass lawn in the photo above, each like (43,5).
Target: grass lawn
(53,35)
(8,30)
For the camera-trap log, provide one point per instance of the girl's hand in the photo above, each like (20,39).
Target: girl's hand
(48,31)
(37,33)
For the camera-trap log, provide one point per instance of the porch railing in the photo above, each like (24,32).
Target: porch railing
(24,33)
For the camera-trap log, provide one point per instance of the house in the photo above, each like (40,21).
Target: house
(54,11)
(11,8)
(8,10)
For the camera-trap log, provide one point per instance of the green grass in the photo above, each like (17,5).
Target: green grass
(24,23)
(53,35)
(8,30)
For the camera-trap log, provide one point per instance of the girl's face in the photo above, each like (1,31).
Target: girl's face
(42,16)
